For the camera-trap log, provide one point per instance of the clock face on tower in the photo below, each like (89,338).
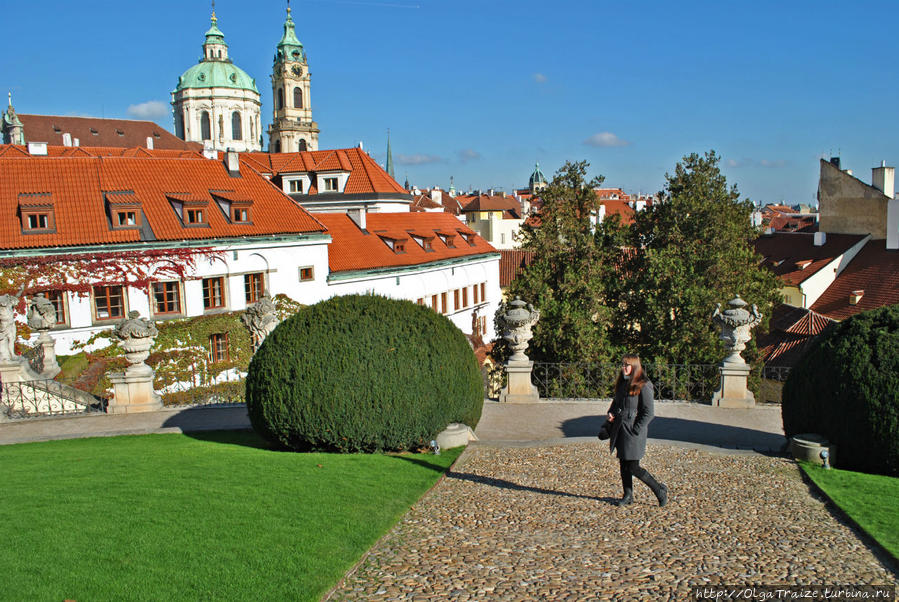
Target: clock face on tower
(297,70)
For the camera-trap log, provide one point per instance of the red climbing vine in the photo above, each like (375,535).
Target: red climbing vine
(78,273)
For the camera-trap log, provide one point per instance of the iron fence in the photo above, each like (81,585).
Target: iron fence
(32,399)
(685,382)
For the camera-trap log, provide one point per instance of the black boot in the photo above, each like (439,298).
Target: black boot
(659,489)
(627,498)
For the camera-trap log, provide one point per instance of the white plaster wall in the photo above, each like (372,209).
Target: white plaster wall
(191,102)
(279,261)
(815,286)
(426,281)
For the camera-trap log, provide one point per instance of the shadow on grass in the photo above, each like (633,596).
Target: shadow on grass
(243,438)
(689,431)
(503,484)
(420,461)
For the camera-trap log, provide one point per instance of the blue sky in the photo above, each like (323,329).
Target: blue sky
(480,89)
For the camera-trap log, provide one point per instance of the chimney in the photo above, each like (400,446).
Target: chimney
(67,139)
(360,146)
(820,239)
(232,162)
(37,148)
(150,142)
(437,195)
(489,192)
(856,296)
(835,161)
(848,172)
(358,217)
(208,151)
(883,178)
(77,142)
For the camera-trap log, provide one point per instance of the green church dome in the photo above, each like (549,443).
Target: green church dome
(216,74)
(215,69)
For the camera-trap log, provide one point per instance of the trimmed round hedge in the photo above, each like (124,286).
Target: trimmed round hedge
(362,373)
(847,388)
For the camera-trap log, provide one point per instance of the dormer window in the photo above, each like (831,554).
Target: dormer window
(124,209)
(240,215)
(237,209)
(396,242)
(330,184)
(448,238)
(194,216)
(126,218)
(296,186)
(36,211)
(468,237)
(424,241)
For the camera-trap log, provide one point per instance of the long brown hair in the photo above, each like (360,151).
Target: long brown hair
(638,377)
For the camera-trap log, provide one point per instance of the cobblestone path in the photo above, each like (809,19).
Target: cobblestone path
(538,523)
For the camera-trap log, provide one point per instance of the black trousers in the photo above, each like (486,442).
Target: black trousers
(630,469)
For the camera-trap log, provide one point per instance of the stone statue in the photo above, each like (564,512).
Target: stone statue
(517,323)
(8,304)
(136,336)
(41,313)
(260,319)
(735,324)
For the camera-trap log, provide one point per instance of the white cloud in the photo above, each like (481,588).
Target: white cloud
(152,109)
(540,78)
(418,159)
(468,154)
(605,139)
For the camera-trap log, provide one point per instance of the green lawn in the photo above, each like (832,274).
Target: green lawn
(211,517)
(869,499)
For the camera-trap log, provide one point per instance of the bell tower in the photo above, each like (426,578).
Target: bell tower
(292,127)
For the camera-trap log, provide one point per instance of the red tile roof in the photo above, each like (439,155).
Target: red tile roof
(423,202)
(511,262)
(484,202)
(875,270)
(792,329)
(94,131)
(77,186)
(351,249)
(620,208)
(366,176)
(612,194)
(786,253)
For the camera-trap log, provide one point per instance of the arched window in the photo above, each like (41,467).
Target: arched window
(302,144)
(297,98)
(236,130)
(278,146)
(205,130)
(280,98)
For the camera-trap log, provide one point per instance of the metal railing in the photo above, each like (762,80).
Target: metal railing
(683,382)
(32,399)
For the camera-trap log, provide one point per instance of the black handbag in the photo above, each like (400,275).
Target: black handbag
(605,431)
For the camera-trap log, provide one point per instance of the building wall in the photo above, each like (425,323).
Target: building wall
(220,103)
(425,282)
(280,262)
(491,226)
(814,287)
(847,205)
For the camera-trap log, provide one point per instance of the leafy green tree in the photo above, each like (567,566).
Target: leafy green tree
(691,249)
(574,268)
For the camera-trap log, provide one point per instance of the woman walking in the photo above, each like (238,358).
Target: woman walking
(632,407)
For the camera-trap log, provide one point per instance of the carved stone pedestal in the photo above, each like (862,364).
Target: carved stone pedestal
(48,352)
(733,392)
(133,392)
(17,370)
(519,388)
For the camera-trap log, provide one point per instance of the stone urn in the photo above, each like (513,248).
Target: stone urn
(518,322)
(735,324)
(136,336)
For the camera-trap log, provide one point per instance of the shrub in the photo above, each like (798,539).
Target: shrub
(847,389)
(362,373)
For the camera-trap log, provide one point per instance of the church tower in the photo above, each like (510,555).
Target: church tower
(292,128)
(216,103)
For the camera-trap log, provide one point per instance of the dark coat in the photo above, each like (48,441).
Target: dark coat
(634,412)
